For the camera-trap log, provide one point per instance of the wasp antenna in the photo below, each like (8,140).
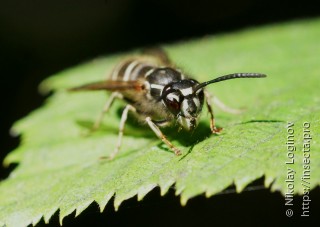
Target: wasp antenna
(229,77)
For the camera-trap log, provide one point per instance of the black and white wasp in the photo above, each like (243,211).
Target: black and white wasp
(158,93)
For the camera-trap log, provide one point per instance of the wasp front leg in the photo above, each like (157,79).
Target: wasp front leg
(213,127)
(160,135)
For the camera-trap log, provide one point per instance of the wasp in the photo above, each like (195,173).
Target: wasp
(158,94)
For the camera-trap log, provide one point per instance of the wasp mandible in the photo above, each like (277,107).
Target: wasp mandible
(158,93)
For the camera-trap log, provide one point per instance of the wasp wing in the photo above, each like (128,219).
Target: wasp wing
(159,53)
(110,85)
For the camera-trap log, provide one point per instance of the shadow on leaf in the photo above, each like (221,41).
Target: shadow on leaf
(134,128)
(261,121)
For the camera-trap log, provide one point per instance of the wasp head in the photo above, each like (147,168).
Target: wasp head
(184,98)
(181,100)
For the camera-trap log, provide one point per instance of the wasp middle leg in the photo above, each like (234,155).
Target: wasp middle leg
(105,109)
(123,120)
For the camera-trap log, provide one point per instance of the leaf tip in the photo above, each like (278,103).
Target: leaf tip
(183,200)
(163,191)
(44,87)
(14,132)
(117,204)
(164,188)
(63,214)
(268,181)
(208,194)
(60,219)
(36,220)
(48,215)
(104,201)
(179,190)
(240,187)
(82,207)
(145,190)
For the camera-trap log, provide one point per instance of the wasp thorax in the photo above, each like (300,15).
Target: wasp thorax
(181,100)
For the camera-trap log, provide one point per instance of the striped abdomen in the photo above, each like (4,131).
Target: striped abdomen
(133,69)
(154,75)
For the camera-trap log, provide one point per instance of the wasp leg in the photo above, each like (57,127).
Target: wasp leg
(121,128)
(105,109)
(158,132)
(213,128)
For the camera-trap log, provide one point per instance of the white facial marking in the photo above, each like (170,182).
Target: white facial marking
(196,102)
(157,86)
(184,107)
(173,97)
(186,91)
(186,122)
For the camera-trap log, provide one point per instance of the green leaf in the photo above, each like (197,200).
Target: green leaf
(59,168)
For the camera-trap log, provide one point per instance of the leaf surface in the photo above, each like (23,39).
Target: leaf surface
(59,168)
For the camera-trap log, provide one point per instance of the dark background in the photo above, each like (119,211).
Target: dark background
(39,38)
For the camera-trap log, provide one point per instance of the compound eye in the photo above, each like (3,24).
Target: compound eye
(173,101)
